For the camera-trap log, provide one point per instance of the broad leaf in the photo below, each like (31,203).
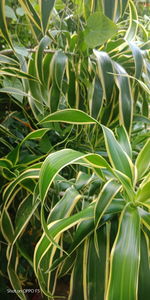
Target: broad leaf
(98,30)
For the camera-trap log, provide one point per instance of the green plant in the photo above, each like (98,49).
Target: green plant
(111,224)
(62,209)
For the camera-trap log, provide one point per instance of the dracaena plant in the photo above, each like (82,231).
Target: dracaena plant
(83,210)
(97,231)
(74,68)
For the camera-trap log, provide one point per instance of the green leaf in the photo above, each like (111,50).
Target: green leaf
(127,185)
(95,98)
(71,116)
(28,7)
(94,278)
(108,192)
(56,161)
(13,277)
(98,30)
(46,9)
(143,160)
(143,193)
(117,155)
(7,226)
(14,83)
(64,206)
(56,229)
(145,216)
(5,163)
(144,273)
(39,56)
(104,68)
(52,165)
(23,215)
(138,59)
(3,24)
(76,287)
(7,60)
(125,97)
(57,71)
(11,71)
(35,90)
(124,141)
(110,8)
(33,17)
(36,134)
(30,173)
(125,257)
(133,26)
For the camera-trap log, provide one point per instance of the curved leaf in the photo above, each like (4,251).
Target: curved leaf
(71,116)
(55,162)
(117,155)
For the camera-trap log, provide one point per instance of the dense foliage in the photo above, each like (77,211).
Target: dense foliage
(74,147)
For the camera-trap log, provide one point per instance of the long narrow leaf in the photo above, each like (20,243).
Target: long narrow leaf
(109,190)
(125,97)
(72,116)
(143,160)
(3,24)
(117,155)
(125,257)
(55,162)
(46,8)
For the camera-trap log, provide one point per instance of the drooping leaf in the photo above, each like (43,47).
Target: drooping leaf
(117,155)
(5,163)
(138,59)
(133,26)
(55,162)
(72,116)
